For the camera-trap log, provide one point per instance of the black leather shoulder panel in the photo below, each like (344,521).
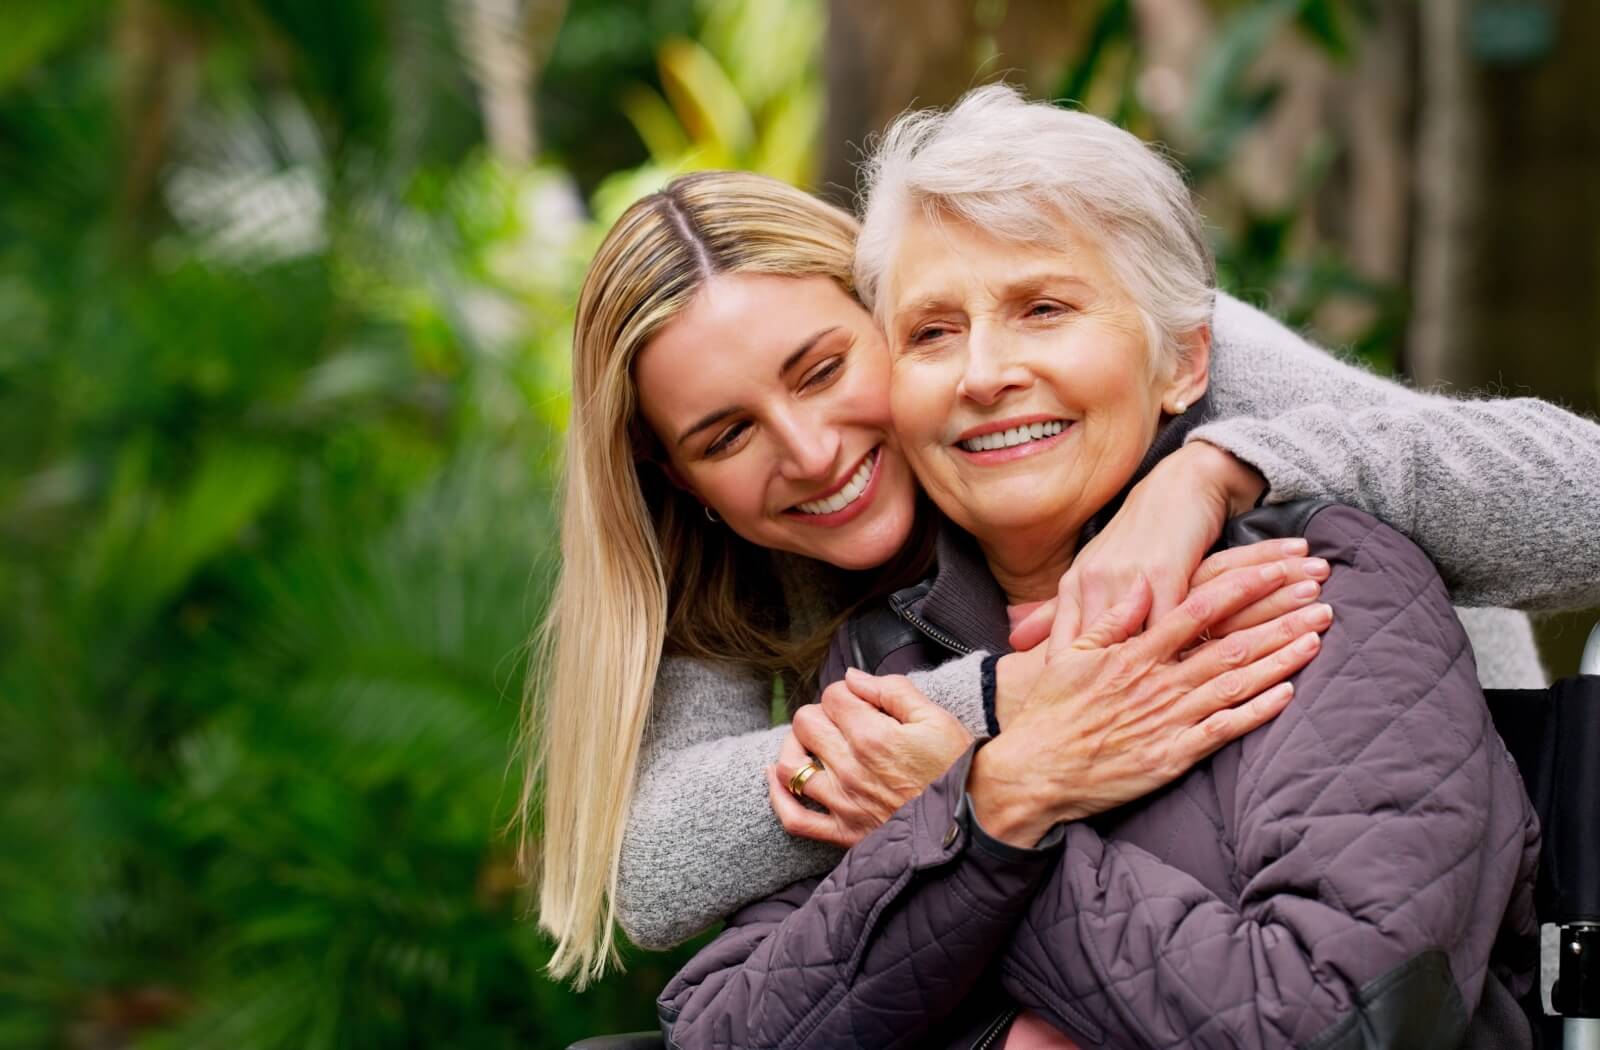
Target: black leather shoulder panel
(1279,521)
(1415,1006)
(875,633)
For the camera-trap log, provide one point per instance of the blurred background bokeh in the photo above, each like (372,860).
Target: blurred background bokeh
(285,300)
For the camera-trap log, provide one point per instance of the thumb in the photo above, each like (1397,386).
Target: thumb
(1117,624)
(892,694)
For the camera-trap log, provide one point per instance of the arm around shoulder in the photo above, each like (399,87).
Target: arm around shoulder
(1503,494)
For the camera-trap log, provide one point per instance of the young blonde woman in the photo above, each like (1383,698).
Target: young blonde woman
(731,490)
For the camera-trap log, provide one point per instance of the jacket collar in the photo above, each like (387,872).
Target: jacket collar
(963,600)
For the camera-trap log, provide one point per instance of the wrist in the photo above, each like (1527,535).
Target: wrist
(1014,675)
(1237,484)
(1005,798)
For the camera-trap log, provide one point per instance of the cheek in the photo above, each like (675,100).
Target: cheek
(867,401)
(727,488)
(866,388)
(919,396)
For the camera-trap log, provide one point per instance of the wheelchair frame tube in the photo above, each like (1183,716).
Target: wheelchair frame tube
(1580,1033)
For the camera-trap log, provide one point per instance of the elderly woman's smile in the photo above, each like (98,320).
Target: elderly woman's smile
(1025,391)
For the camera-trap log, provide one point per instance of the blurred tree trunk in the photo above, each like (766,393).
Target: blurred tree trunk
(1507,260)
(505,41)
(155,82)
(885,56)
(1507,273)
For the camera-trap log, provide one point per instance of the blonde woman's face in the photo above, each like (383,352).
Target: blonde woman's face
(770,396)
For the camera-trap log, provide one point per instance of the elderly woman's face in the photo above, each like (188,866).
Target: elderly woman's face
(1022,389)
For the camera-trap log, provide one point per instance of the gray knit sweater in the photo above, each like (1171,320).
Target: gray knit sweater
(1504,495)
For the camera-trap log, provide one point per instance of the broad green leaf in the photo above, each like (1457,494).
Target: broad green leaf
(787,146)
(658,126)
(716,118)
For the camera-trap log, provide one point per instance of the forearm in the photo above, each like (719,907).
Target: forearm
(1502,495)
(702,840)
(1006,792)
(956,686)
(1121,949)
(895,937)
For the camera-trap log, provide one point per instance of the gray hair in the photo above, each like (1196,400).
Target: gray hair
(1019,170)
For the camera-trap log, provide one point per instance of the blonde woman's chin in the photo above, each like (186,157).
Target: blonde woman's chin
(861,526)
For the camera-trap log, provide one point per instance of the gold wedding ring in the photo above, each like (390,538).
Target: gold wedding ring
(797,783)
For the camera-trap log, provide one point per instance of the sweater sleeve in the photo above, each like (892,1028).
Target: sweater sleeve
(1503,495)
(1381,844)
(701,839)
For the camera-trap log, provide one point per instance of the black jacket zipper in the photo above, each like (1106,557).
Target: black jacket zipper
(899,606)
(996,1029)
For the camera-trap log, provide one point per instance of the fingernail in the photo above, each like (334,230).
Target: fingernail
(1322,613)
(1291,548)
(1315,567)
(1308,643)
(1305,589)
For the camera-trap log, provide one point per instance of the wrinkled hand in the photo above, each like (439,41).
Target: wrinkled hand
(1163,529)
(1114,714)
(1015,672)
(881,743)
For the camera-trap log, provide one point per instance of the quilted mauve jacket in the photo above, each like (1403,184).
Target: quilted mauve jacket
(1357,873)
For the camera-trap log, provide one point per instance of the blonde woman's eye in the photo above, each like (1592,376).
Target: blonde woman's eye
(823,373)
(727,439)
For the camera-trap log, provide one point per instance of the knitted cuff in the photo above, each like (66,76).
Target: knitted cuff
(986,681)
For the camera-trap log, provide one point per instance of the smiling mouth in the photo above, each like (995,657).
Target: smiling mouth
(1018,435)
(847,493)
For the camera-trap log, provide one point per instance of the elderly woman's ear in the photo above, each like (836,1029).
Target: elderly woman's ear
(1191,373)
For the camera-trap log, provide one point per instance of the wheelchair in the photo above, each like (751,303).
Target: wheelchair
(1554,736)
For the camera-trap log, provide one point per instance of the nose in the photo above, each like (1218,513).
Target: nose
(991,370)
(809,445)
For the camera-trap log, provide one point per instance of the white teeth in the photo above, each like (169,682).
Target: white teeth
(1014,436)
(849,494)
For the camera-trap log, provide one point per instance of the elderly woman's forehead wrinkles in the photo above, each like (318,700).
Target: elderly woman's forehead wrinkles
(1056,283)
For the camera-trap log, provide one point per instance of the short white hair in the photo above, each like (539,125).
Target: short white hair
(1019,170)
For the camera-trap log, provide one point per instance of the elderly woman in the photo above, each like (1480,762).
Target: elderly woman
(1356,873)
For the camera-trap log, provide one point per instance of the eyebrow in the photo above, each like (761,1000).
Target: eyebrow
(711,419)
(1020,287)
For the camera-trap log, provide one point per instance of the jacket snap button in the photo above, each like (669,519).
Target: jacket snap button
(950,836)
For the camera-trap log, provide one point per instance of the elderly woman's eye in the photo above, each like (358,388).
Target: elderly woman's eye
(1045,309)
(928,333)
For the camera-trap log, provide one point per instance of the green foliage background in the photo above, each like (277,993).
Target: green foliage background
(282,378)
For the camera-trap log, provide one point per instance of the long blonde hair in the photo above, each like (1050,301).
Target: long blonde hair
(642,569)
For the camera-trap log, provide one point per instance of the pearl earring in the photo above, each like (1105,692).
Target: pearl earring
(1180,407)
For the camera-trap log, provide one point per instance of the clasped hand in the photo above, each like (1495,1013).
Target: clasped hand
(1102,716)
